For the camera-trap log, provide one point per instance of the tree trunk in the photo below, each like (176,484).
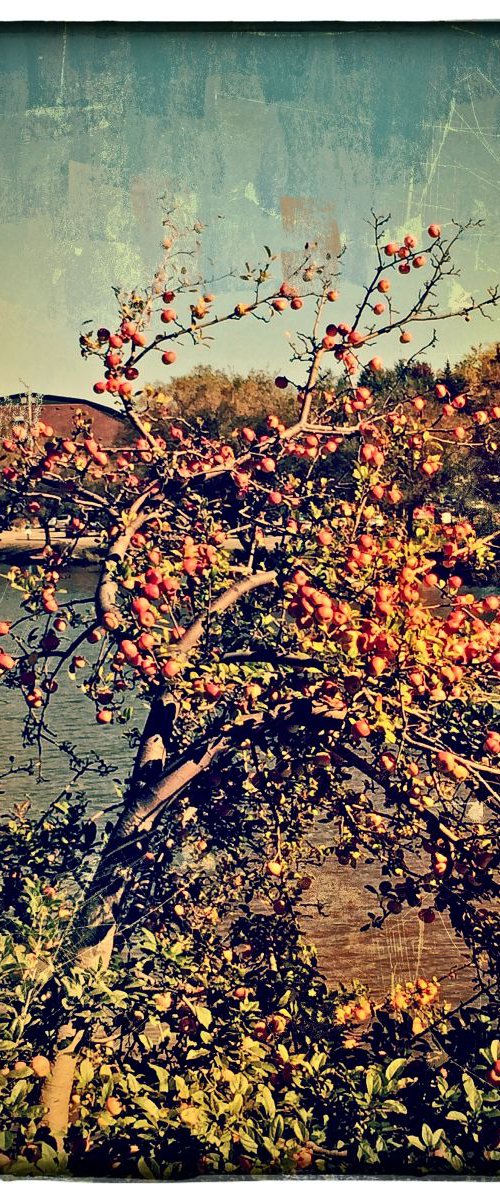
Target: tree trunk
(92,939)
(152,788)
(58,1086)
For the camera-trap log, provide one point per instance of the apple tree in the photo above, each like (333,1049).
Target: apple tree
(287,653)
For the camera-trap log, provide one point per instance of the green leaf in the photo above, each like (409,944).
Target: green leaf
(318,1060)
(51,1162)
(396,1065)
(267,1101)
(86,1072)
(19,1089)
(473,1096)
(427,1135)
(149,1107)
(163,1077)
(366,1153)
(457,1116)
(144,1170)
(373,1081)
(395,1106)
(149,940)
(203,1015)
(277,1127)
(21,1166)
(248,1143)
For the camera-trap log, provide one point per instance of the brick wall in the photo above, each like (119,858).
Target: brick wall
(108,429)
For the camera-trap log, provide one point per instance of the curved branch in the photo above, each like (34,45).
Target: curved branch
(153,748)
(105,597)
(226,600)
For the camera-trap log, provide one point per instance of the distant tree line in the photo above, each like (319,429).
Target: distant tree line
(217,402)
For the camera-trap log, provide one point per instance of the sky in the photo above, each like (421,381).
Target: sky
(269,136)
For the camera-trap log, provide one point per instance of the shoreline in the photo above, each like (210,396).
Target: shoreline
(22,546)
(27,545)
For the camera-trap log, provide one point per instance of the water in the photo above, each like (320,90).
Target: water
(71,718)
(403,949)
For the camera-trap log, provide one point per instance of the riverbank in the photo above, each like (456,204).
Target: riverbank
(21,546)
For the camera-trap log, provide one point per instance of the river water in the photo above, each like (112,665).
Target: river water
(403,949)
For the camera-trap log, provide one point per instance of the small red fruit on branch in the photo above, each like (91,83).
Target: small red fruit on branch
(104,716)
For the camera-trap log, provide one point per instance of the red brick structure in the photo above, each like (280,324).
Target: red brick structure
(59,411)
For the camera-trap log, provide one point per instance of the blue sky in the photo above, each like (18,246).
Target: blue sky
(280,132)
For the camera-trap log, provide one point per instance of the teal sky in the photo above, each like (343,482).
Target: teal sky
(283,133)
